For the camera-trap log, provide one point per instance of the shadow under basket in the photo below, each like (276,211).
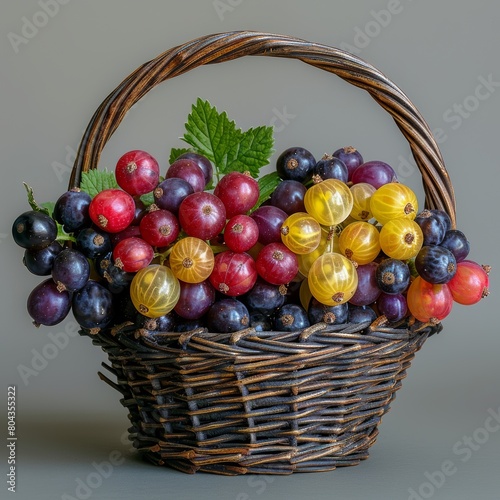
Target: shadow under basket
(262,402)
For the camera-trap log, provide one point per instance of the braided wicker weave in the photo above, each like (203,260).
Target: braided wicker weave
(262,402)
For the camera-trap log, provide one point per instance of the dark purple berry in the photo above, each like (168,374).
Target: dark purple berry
(375,172)
(269,220)
(368,289)
(71,270)
(195,299)
(289,196)
(34,230)
(443,217)
(261,322)
(361,314)
(72,210)
(331,315)
(92,307)
(264,297)
(40,262)
(228,315)
(330,167)
(295,163)
(433,228)
(290,318)
(170,193)
(165,323)
(457,243)
(351,157)
(47,305)
(203,162)
(393,307)
(393,276)
(435,264)
(93,242)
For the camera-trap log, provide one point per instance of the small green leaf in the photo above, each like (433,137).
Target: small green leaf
(49,206)
(148,199)
(33,204)
(95,181)
(267,185)
(176,152)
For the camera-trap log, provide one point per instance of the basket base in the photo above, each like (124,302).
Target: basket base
(259,403)
(248,461)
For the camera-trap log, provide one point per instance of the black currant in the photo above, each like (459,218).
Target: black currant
(72,210)
(457,243)
(40,261)
(393,276)
(435,264)
(228,315)
(330,167)
(295,163)
(92,306)
(290,318)
(34,230)
(332,315)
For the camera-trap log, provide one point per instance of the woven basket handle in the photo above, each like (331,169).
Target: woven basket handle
(227,46)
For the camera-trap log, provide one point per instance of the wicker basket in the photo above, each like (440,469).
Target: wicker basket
(262,402)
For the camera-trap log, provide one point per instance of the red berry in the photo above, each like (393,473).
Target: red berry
(470,283)
(429,302)
(159,228)
(132,254)
(234,273)
(241,233)
(112,210)
(202,215)
(277,264)
(239,193)
(137,172)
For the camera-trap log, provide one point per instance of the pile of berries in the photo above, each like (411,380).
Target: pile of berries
(339,240)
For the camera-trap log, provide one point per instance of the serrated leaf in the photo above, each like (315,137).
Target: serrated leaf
(255,147)
(176,152)
(267,185)
(32,202)
(95,181)
(210,133)
(213,135)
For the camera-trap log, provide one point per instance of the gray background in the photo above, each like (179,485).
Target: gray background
(436,51)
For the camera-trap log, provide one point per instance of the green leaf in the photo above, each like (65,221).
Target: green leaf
(33,204)
(148,199)
(95,181)
(213,135)
(176,152)
(267,185)
(49,206)
(255,146)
